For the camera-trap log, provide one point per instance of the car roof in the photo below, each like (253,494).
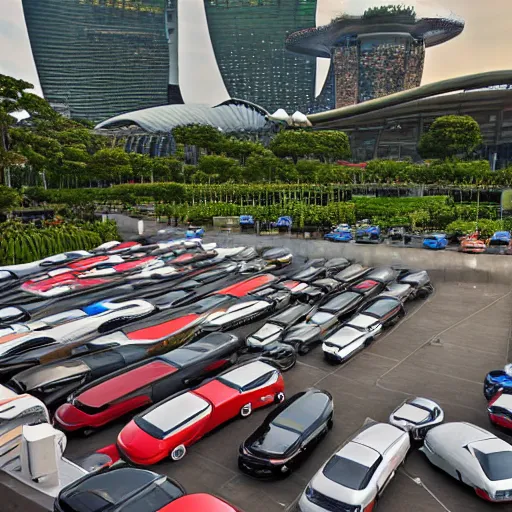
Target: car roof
(198,503)
(362,321)
(247,373)
(458,433)
(379,436)
(359,453)
(504,400)
(340,300)
(491,446)
(176,410)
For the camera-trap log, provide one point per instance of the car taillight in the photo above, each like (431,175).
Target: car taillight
(483,494)
(370,506)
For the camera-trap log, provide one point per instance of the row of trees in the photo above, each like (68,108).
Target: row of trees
(55,152)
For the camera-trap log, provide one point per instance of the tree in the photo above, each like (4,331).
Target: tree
(9,198)
(202,136)
(110,164)
(262,167)
(330,145)
(220,168)
(292,143)
(450,136)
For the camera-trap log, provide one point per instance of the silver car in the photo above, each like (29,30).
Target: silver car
(417,416)
(357,474)
(402,292)
(473,456)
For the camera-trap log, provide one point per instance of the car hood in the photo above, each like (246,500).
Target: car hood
(235,312)
(362,321)
(344,337)
(336,491)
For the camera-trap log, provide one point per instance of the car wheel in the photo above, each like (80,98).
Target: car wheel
(304,349)
(330,423)
(289,366)
(178,453)
(279,398)
(246,410)
(368,342)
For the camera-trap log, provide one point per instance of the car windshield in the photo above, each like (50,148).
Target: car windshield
(266,331)
(349,473)
(497,465)
(276,440)
(157,497)
(339,302)
(380,308)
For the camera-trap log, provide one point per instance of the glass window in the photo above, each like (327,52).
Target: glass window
(497,466)
(380,308)
(349,473)
(339,302)
(155,498)
(276,440)
(299,415)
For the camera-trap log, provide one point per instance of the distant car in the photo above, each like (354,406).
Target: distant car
(284,222)
(417,416)
(194,232)
(246,221)
(500,410)
(343,237)
(500,238)
(169,427)
(199,503)
(496,380)
(322,321)
(287,435)
(396,233)
(119,489)
(368,234)
(471,244)
(436,241)
(356,476)
(474,457)
(361,330)
(140,385)
(342,232)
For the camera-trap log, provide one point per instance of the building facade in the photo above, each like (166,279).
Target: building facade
(98,58)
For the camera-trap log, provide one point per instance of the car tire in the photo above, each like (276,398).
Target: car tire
(178,453)
(246,410)
(279,398)
(290,366)
(330,423)
(303,350)
(368,342)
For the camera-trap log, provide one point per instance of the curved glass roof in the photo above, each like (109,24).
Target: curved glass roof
(230,116)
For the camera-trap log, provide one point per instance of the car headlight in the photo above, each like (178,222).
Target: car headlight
(309,492)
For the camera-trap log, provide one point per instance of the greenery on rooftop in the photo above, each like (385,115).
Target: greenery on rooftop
(401,11)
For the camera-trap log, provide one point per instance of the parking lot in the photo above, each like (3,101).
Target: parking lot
(441,350)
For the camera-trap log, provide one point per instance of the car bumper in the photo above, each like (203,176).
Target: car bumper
(261,470)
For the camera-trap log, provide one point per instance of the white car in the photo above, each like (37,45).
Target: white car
(360,331)
(473,456)
(417,416)
(357,474)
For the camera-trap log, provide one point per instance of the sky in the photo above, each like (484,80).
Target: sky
(485,44)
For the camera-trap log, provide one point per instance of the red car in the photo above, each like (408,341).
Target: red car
(169,427)
(500,410)
(199,503)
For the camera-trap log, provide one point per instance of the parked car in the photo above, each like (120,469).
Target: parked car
(194,232)
(119,489)
(104,400)
(396,233)
(322,321)
(368,288)
(496,380)
(419,281)
(169,427)
(474,457)
(500,410)
(417,416)
(352,274)
(284,222)
(500,238)
(368,235)
(287,435)
(199,503)
(402,292)
(361,330)
(436,241)
(385,275)
(472,244)
(356,476)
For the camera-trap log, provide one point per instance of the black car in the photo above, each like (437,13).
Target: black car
(119,488)
(323,320)
(310,274)
(287,436)
(52,383)
(383,275)
(351,274)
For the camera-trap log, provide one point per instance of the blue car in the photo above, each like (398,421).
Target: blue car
(194,233)
(496,380)
(284,222)
(246,220)
(368,234)
(343,236)
(341,233)
(500,238)
(435,242)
